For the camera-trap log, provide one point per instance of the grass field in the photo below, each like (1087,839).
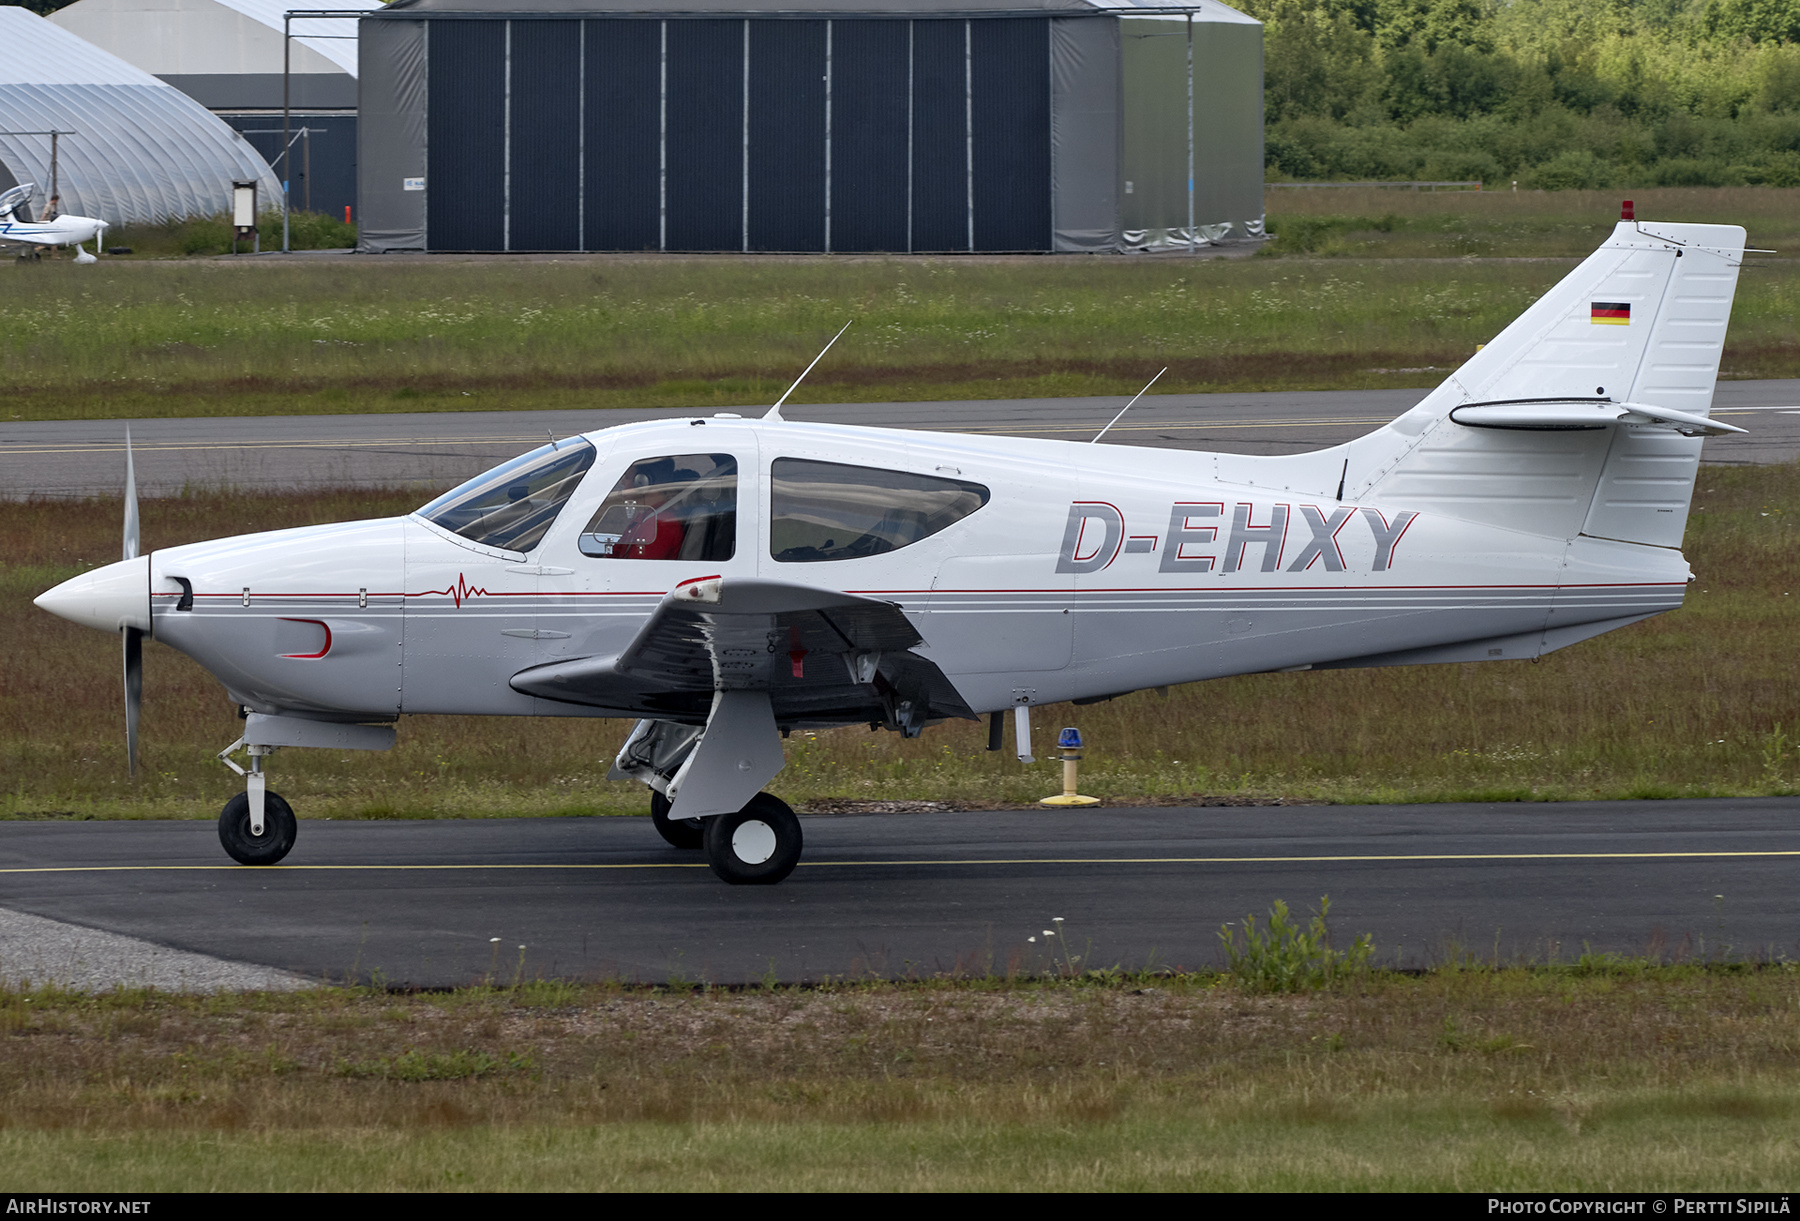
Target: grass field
(1596,1076)
(1702,701)
(1384,288)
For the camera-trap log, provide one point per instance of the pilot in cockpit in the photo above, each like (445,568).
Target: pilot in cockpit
(658,531)
(674,507)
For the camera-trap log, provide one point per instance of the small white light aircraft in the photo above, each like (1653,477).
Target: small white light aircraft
(18,229)
(725,580)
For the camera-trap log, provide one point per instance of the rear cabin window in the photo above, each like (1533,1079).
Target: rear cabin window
(511,506)
(679,507)
(828,511)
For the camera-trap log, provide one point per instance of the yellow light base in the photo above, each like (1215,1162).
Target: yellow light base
(1069,799)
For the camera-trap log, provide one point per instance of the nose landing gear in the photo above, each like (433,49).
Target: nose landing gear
(248,847)
(256,827)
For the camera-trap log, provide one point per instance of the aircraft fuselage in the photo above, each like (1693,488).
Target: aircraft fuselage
(1091,571)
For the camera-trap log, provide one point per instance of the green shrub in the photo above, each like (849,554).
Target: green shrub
(1283,957)
(204,235)
(306,231)
(1575,170)
(201,236)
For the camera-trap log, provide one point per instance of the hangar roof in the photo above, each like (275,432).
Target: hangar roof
(177,37)
(1205,10)
(140,151)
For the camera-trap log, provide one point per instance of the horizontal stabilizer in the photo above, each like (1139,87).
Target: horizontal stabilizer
(1584,414)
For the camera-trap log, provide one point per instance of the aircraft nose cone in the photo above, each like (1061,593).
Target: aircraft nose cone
(108,598)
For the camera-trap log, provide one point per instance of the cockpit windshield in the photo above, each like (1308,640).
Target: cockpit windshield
(511,506)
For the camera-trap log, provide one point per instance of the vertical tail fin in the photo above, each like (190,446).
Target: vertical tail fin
(1641,320)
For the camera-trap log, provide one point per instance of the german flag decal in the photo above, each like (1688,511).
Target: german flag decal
(1611,313)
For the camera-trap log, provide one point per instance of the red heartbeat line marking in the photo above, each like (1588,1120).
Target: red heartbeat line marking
(462,589)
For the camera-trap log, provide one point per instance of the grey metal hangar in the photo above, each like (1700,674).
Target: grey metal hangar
(834,126)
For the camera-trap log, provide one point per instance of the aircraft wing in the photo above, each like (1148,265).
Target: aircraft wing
(825,658)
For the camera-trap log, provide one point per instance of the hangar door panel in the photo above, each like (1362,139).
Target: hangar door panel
(705,153)
(940,216)
(466,142)
(1228,123)
(787,135)
(622,122)
(1154,153)
(869,134)
(1010,106)
(544,195)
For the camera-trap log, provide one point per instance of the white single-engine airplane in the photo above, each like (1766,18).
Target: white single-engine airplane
(18,229)
(724,580)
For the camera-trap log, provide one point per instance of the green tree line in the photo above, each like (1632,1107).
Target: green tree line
(1546,93)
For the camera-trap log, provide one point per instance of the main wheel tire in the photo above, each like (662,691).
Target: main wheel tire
(681,833)
(756,846)
(277,839)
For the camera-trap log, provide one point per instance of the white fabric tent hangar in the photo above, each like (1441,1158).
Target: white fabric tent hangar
(139,151)
(229,56)
(844,126)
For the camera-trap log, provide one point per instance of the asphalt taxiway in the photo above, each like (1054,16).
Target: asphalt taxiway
(436,904)
(439,449)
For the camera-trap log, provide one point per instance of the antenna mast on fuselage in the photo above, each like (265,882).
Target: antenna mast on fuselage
(774,413)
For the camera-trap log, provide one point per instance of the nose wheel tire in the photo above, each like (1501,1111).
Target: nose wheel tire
(277,839)
(756,846)
(681,833)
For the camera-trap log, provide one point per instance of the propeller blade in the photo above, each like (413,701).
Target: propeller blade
(134,637)
(134,693)
(131,508)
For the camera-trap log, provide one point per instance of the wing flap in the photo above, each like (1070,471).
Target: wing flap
(825,658)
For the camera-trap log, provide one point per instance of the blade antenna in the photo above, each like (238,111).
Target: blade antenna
(774,412)
(1127,407)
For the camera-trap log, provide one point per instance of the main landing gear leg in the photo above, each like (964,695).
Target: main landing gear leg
(704,784)
(256,827)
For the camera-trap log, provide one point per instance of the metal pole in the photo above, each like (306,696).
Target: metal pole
(287,161)
(1193,235)
(54,189)
(306,167)
(969,123)
(744,169)
(828,137)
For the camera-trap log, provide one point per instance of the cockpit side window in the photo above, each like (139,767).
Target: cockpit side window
(829,511)
(511,506)
(680,507)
